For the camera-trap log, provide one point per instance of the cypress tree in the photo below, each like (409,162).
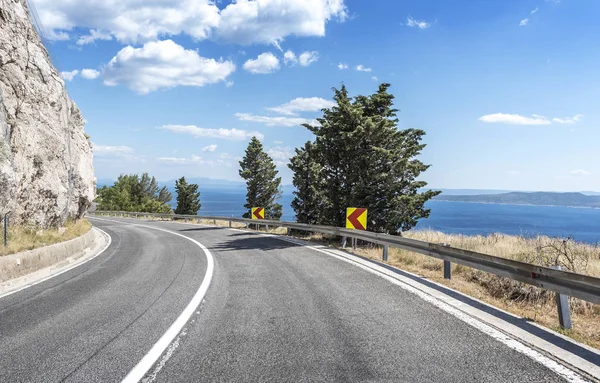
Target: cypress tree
(188,197)
(263,185)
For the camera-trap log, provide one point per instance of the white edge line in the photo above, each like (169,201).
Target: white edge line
(144,365)
(65,270)
(505,339)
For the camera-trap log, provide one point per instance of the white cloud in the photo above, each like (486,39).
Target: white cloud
(93,36)
(161,65)
(263,64)
(241,22)
(311,104)
(514,119)
(90,74)
(580,173)
(361,68)
(568,120)
(229,84)
(209,148)
(374,78)
(226,134)
(421,24)
(342,66)
(278,142)
(535,10)
(280,153)
(289,58)
(275,121)
(69,76)
(307,58)
(524,22)
(267,21)
(105,150)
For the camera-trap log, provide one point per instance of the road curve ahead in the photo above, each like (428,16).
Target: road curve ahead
(277,311)
(94,323)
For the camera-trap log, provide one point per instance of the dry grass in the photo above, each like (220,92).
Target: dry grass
(21,238)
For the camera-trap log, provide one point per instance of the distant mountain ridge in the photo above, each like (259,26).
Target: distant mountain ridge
(529,198)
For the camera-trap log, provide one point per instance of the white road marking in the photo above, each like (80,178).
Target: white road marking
(65,270)
(144,365)
(512,343)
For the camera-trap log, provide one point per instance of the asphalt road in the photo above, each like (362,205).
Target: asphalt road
(275,311)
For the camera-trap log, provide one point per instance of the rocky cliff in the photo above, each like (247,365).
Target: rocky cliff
(46,172)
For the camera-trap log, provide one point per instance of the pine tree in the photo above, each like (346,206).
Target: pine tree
(188,197)
(308,201)
(135,193)
(263,185)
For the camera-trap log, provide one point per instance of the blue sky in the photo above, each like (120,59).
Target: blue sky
(507,90)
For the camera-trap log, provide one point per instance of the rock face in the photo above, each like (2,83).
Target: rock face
(46,172)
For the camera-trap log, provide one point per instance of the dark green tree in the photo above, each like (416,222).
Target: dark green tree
(134,193)
(308,202)
(263,185)
(188,197)
(366,161)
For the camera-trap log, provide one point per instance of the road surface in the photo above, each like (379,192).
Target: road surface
(275,311)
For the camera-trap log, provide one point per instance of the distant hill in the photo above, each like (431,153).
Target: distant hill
(532,198)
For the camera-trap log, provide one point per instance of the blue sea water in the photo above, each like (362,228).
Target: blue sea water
(454,217)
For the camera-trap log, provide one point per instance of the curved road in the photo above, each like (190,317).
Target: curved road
(275,311)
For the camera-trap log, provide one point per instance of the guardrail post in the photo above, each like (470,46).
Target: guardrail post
(229,223)
(354,243)
(564,312)
(266,228)
(386,250)
(447,270)
(215,222)
(344,240)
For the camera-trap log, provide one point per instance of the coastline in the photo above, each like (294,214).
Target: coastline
(515,204)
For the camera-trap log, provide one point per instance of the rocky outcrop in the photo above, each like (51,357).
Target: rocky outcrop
(46,172)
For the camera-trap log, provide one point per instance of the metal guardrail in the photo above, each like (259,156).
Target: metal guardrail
(563,282)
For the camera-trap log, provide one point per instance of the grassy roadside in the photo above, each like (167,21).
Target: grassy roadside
(22,238)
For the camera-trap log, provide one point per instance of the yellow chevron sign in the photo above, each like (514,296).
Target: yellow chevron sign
(356,218)
(258,213)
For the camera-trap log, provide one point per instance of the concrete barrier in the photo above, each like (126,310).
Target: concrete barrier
(18,265)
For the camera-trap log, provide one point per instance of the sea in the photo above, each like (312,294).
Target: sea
(581,224)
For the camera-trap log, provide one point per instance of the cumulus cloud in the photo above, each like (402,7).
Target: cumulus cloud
(289,57)
(421,24)
(90,74)
(524,22)
(374,78)
(361,68)
(568,120)
(69,76)
(263,64)
(307,58)
(163,64)
(275,121)
(240,22)
(180,161)
(226,134)
(280,155)
(342,66)
(514,119)
(209,148)
(300,104)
